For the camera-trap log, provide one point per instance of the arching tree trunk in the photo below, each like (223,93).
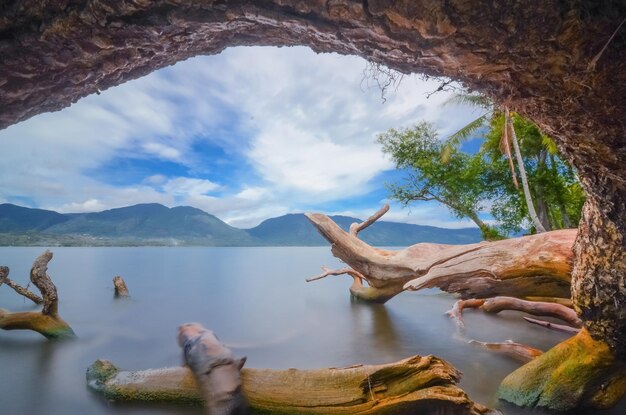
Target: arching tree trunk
(561,63)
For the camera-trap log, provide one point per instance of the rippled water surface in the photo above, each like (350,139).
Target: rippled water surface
(255,299)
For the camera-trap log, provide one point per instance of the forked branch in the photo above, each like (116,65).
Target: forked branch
(4,279)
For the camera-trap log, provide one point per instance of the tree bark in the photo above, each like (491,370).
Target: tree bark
(4,279)
(419,384)
(47,322)
(536,265)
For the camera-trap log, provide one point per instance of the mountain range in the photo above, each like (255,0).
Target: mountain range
(158,225)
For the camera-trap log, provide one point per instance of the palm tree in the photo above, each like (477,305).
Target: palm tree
(508,137)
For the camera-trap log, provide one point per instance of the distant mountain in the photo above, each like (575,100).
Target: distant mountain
(296,230)
(155,224)
(155,221)
(15,218)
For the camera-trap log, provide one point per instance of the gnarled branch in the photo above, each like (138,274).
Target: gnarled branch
(355,228)
(4,279)
(47,322)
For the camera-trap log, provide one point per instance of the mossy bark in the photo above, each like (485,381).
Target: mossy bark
(579,372)
(420,384)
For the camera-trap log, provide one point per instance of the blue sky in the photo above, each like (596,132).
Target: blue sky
(246,135)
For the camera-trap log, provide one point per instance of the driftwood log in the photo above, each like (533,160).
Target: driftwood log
(121,290)
(215,368)
(47,322)
(419,384)
(536,265)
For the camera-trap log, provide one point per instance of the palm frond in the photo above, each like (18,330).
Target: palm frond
(466,132)
(476,100)
(549,144)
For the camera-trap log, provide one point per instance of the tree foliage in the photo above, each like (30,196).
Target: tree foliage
(474,184)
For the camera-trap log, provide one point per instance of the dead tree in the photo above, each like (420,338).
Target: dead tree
(121,290)
(47,322)
(536,265)
(419,384)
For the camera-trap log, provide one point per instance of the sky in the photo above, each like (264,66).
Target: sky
(249,134)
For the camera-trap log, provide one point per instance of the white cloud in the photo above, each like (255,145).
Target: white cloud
(300,122)
(185,186)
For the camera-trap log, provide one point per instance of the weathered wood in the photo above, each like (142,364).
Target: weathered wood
(47,322)
(552,326)
(498,304)
(520,352)
(355,228)
(4,279)
(215,368)
(417,385)
(536,265)
(358,290)
(121,290)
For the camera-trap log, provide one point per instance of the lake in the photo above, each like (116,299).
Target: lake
(258,303)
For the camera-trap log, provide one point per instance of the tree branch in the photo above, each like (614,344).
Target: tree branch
(4,279)
(355,228)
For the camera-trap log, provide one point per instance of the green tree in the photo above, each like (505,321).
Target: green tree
(463,183)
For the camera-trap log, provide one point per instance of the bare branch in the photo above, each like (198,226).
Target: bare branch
(39,276)
(517,351)
(4,279)
(456,312)
(341,271)
(355,228)
(553,326)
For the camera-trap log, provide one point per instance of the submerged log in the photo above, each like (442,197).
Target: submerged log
(536,265)
(47,322)
(419,384)
(578,373)
(121,290)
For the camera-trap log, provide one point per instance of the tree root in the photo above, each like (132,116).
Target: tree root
(419,384)
(497,304)
(520,352)
(577,373)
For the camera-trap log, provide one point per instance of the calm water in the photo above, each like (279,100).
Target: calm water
(255,299)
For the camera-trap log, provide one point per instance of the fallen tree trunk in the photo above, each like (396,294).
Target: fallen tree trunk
(47,322)
(535,265)
(419,384)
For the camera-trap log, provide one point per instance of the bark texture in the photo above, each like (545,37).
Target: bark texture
(537,265)
(47,322)
(419,384)
(580,372)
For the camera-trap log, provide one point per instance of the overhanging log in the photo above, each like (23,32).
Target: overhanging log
(536,265)
(419,384)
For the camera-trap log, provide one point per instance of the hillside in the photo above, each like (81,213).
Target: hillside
(154,224)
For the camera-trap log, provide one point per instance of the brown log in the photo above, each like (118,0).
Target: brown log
(419,384)
(121,290)
(47,322)
(4,279)
(520,352)
(536,265)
